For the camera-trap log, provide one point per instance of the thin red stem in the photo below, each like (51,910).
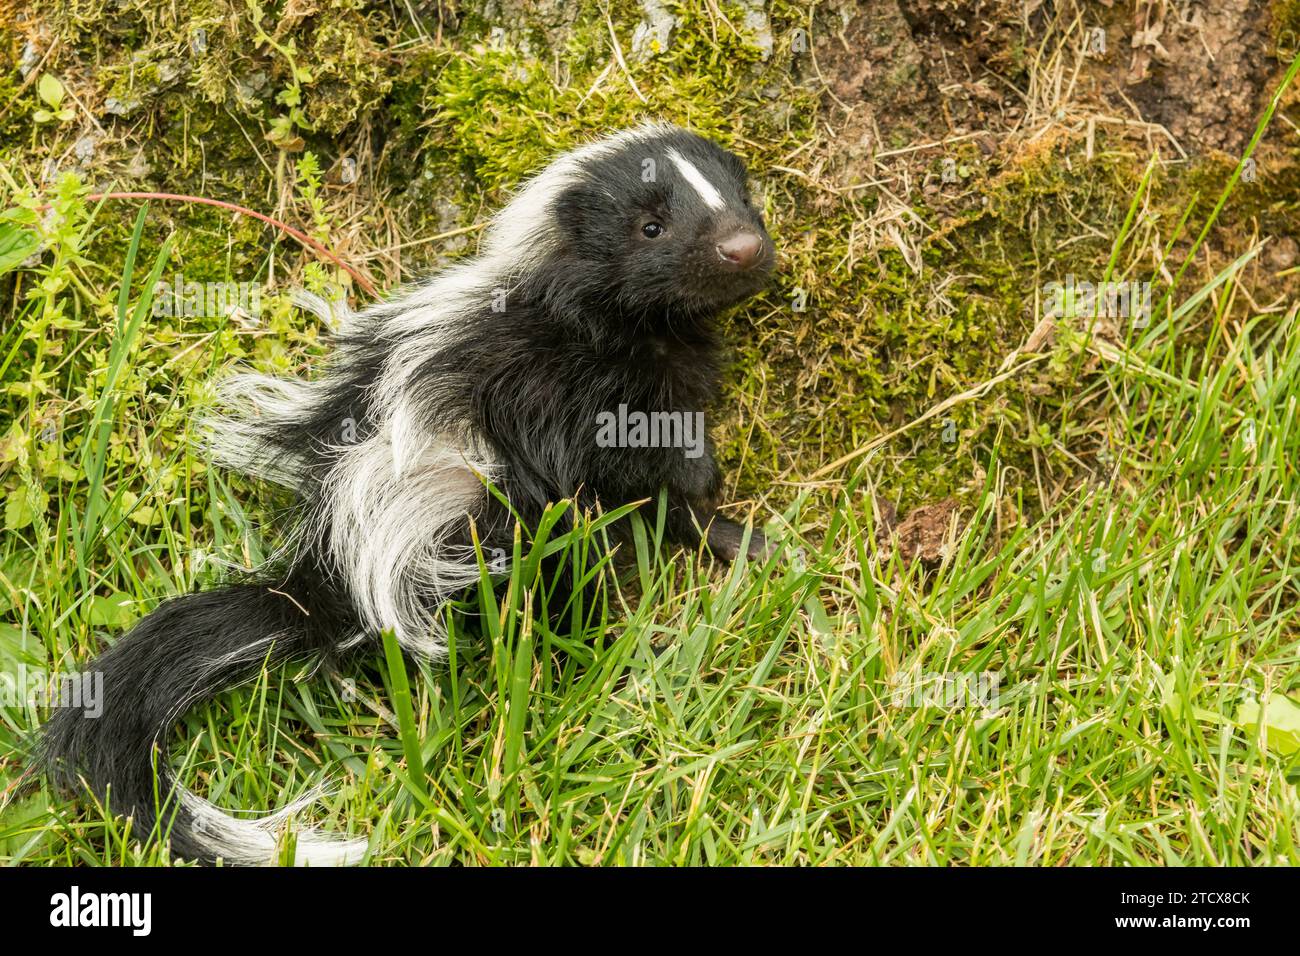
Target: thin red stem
(302,237)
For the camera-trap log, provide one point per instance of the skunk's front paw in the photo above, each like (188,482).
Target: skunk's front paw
(725,537)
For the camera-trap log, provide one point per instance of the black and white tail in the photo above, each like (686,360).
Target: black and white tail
(189,649)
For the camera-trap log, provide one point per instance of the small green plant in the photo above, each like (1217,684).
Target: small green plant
(51,93)
(308,181)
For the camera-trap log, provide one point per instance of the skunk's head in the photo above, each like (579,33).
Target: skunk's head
(653,221)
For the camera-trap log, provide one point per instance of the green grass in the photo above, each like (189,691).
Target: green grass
(1125,560)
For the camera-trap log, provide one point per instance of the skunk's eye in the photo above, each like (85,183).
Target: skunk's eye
(652,230)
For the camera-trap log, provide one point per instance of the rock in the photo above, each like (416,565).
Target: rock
(758,27)
(29,58)
(249,88)
(653,34)
(1281,254)
(121,107)
(138,167)
(169,71)
(84,148)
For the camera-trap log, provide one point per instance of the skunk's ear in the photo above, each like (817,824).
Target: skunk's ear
(583,211)
(735,166)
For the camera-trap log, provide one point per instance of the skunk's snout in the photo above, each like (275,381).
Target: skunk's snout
(741,251)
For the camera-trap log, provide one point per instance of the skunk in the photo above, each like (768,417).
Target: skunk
(595,291)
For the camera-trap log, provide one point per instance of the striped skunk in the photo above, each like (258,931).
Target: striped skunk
(595,290)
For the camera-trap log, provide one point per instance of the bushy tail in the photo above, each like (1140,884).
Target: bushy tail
(185,652)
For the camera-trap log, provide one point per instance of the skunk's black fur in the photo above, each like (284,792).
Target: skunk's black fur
(597,287)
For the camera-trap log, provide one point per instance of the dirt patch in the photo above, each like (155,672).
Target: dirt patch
(973,51)
(1201,70)
(924,535)
(924,69)
(902,73)
(872,59)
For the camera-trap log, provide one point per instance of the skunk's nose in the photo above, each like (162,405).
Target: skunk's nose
(741,250)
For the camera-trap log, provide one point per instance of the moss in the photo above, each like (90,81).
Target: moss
(17,110)
(1271,200)
(1285,23)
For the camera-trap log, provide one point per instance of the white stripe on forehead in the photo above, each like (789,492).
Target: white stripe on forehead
(708,192)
